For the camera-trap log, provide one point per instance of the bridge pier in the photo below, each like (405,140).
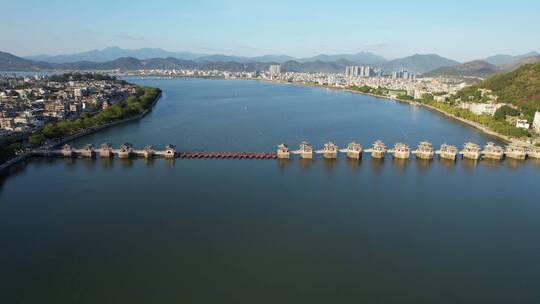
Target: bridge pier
(67,151)
(125,151)
(105,150)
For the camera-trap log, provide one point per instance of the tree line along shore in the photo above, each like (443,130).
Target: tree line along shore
(517,95)
(55,132)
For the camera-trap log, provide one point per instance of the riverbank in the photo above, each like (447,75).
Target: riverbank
(480,127)
(473,124)
(484,129)
(86,132)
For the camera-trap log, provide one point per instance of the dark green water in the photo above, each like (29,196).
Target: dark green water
(263,231)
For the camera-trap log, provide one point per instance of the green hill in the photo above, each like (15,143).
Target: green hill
(520,88)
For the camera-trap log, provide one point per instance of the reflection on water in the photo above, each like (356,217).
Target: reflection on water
(446,163)
(513,164)
(330,164)
(353,163)
(69,161)
(468,164)
(209,231)
(282,163)
(305,163)
(376,164)
(149,161)
(169,162)
(423,164)
(491,163)
(400,163)
(106,162)
(534,161)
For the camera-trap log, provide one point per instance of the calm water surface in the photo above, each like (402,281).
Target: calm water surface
(264,231)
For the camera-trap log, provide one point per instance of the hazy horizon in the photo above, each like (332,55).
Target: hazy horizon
(459,30)
(263,54)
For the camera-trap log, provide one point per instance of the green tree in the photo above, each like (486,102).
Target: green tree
(36,139)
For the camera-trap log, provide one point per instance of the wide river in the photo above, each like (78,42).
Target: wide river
(266,231)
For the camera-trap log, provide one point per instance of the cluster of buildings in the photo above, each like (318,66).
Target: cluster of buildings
(353,76)
(27,103)
(442,89)
(490,105)
(274,70)
(403,74)
(526,125)
(363,71)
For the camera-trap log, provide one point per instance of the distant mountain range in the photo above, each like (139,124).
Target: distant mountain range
(418,63)
(362,57)
(507,59)
(9,62)
(147,58)
(477,68)
(113,53)
(520,61)
(113,58)
(483,68)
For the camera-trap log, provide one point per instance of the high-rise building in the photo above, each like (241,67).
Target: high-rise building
(274,69)
(360,71)
(403,74)
(351,71)
(368,72)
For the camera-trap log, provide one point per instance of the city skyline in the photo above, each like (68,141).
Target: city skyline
(463,32)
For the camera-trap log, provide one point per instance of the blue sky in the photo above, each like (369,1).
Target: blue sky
(462,30)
